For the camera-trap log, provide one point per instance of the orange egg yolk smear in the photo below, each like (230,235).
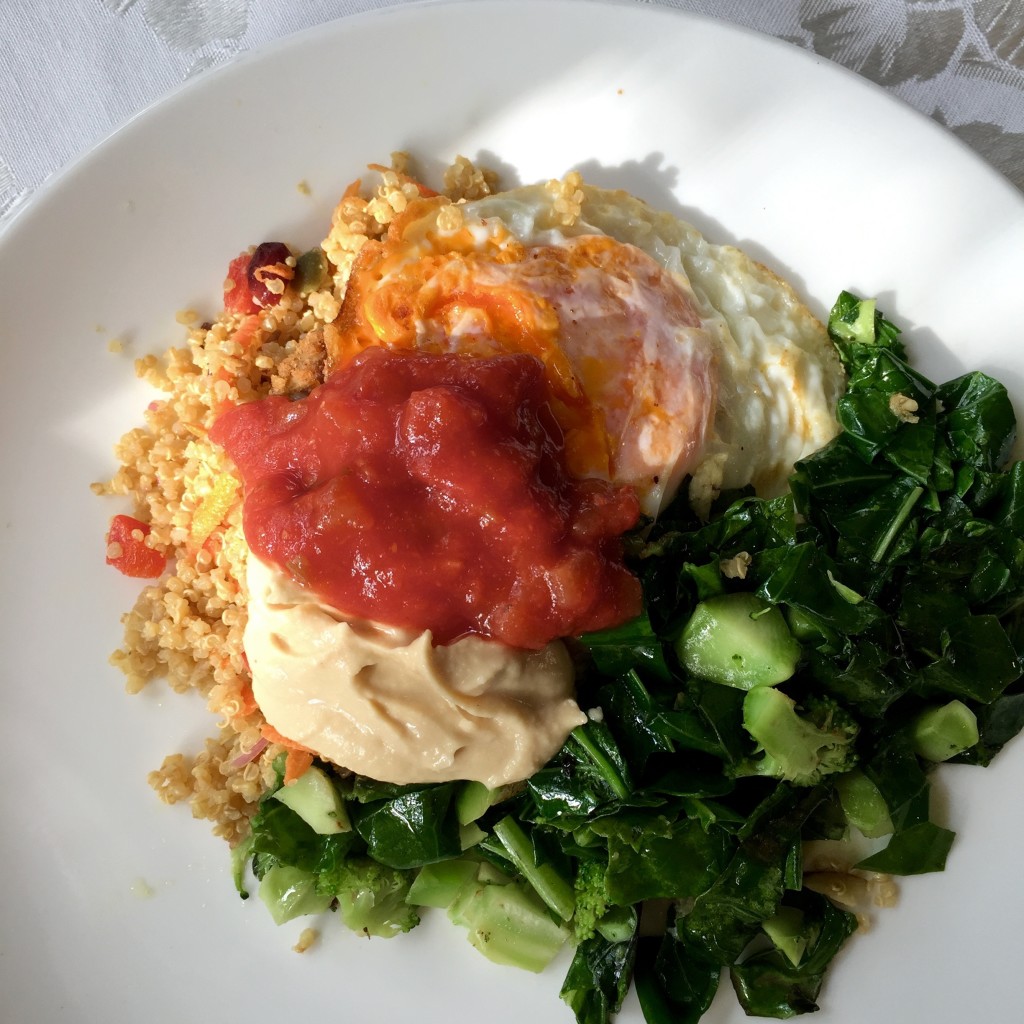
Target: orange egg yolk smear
(632,379)
(431,491)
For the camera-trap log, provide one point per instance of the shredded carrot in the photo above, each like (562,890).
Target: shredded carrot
(296,763)
(298,758)
(246,701)
(271,734)
(281,270)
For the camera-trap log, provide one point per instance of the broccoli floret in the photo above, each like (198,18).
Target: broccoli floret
(371,896)
(591,888)
(800,748)
(594,913)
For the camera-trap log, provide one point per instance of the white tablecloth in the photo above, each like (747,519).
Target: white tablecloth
(71,71)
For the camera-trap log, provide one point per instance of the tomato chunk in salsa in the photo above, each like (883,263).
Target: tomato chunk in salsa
(430,492)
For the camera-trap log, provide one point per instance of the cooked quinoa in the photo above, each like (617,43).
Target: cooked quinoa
(187,626)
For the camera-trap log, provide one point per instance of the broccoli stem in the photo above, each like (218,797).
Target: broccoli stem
(943,732)
(863,804)
(618,924)
(738,640)
(437,885)
(509,925)
(554,890)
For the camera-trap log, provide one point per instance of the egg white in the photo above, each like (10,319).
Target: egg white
(779,375)
(778,378)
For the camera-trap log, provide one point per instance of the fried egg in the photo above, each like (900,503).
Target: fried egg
(669,356)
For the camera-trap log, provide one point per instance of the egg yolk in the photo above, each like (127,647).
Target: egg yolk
(631,375)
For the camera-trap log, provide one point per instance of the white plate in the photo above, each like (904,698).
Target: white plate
(820,175)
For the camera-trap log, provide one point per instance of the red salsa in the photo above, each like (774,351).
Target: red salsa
(430,492)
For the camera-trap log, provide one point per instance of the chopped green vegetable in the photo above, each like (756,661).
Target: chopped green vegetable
(853,319)
(315,800)
(240,856)
(786,930)
(599,977)
(802,746)
(863,804)
(470,835)
(591,898)
(675,980)
(921,848)
(371,897)
(768,984)
(291,892)
(509,925)
(546,880)
(660,858)
(943,732)
(412,827)
(738,640)
(437,885)
(473,801)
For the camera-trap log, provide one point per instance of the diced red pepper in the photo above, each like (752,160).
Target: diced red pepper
(237,297)
(128,553)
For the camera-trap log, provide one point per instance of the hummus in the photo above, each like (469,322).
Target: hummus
(389,704)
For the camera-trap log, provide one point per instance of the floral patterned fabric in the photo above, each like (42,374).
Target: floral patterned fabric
(960,62)
(71,72)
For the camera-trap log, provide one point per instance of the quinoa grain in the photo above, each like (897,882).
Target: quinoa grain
(187,627)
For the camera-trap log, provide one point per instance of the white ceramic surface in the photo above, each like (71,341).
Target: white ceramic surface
(823,177)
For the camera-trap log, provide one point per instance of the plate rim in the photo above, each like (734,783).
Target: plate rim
(340,23)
